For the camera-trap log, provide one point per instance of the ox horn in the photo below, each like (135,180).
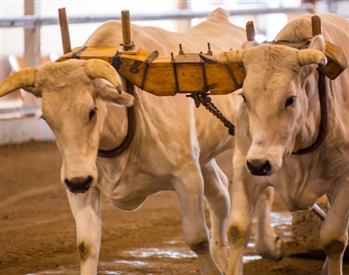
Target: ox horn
(312,56)
(22,79)
(232,56)
(96,68)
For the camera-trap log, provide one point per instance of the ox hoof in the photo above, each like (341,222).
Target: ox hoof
(279,249)
(276,252)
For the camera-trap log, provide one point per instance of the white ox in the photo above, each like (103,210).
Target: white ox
(281,115)
(174,146)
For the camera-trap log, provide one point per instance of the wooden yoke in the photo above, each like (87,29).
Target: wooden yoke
(166,75)
(187,72)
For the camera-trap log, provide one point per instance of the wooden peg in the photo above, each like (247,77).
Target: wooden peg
(250,32)
(126,30)
(63,22)
(316,25)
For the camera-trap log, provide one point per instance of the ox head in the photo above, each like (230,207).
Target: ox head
(277,113)
(74,96)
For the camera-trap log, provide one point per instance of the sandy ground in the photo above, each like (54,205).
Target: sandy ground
(38,230)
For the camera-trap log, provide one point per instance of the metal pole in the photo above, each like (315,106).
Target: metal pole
(319,212)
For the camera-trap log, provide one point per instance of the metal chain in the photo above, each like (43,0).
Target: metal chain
(207,103)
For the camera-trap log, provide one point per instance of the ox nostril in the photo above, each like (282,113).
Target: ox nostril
(259,168)
(78,185)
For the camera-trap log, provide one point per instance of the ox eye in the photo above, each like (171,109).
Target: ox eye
(92,113)
(290,101)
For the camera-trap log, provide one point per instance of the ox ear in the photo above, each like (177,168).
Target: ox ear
(318,43)
(330,58)
(336,59)
(109,92)
(315,52)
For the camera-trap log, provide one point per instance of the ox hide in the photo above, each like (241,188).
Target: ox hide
(281,115)
(173,148)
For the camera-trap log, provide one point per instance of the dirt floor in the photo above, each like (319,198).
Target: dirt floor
(38,230)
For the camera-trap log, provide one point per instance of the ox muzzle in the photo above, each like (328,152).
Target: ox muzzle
(79,184)
(259,167)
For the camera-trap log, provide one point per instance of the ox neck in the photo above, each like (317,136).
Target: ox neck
(131,128)
(323,98)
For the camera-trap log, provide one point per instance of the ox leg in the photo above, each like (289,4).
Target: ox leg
(244,195)
(86,211)
(190,192)
(216,193)
(268,243)
(334,232)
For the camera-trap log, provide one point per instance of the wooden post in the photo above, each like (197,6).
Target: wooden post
(63,22)
(250,32)
(32,53)
(313,3)
(126,30)
(316,25)
(183,24)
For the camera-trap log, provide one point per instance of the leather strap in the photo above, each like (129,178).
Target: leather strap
(324,117)
(131,129)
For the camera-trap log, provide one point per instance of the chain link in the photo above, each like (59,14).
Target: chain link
(207,103)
